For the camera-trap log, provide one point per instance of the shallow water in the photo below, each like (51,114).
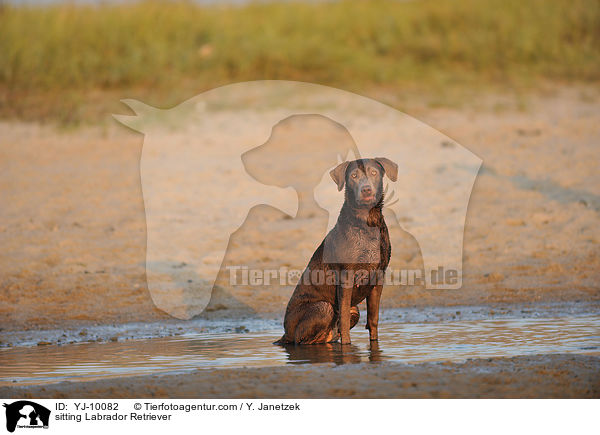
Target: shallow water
(401,342)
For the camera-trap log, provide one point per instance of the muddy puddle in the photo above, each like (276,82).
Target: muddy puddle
(416,342)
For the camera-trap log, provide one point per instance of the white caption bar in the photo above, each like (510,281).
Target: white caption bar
(290,416)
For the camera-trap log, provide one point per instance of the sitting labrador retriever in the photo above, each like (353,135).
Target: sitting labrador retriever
(350,263)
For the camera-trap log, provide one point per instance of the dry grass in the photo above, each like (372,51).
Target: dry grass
(64,61)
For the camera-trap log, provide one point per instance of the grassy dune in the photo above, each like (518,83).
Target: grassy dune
(58,61)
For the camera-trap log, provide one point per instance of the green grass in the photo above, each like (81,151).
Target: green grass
(55,60)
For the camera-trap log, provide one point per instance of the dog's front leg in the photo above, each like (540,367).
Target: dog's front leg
(344,290)
(373,299)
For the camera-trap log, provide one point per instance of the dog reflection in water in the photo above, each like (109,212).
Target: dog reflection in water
(332,353)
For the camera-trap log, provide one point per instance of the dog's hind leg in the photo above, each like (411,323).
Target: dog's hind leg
(316,325)
(354,316)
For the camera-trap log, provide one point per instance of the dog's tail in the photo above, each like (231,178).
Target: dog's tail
(281,341)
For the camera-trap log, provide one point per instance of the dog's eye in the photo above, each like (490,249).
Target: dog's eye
(354,175)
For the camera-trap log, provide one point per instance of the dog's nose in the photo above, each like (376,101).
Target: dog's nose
(366,190)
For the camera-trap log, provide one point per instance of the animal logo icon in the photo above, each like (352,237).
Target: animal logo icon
(25,413)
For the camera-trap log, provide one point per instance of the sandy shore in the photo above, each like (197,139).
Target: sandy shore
(72,223)
(73,232)
(549,376)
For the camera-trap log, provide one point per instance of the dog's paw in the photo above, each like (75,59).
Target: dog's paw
(333,336)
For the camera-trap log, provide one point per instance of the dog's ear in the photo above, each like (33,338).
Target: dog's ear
(339,174)
(390,168)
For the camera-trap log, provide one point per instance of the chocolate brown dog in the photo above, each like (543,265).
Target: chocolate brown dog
(349,264)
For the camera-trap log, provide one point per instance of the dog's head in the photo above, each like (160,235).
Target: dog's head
(364,180)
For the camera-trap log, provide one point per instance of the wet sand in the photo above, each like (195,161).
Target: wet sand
(549,376)
(402,341)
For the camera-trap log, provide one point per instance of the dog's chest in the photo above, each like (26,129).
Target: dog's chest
(354,245)
(368,241)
